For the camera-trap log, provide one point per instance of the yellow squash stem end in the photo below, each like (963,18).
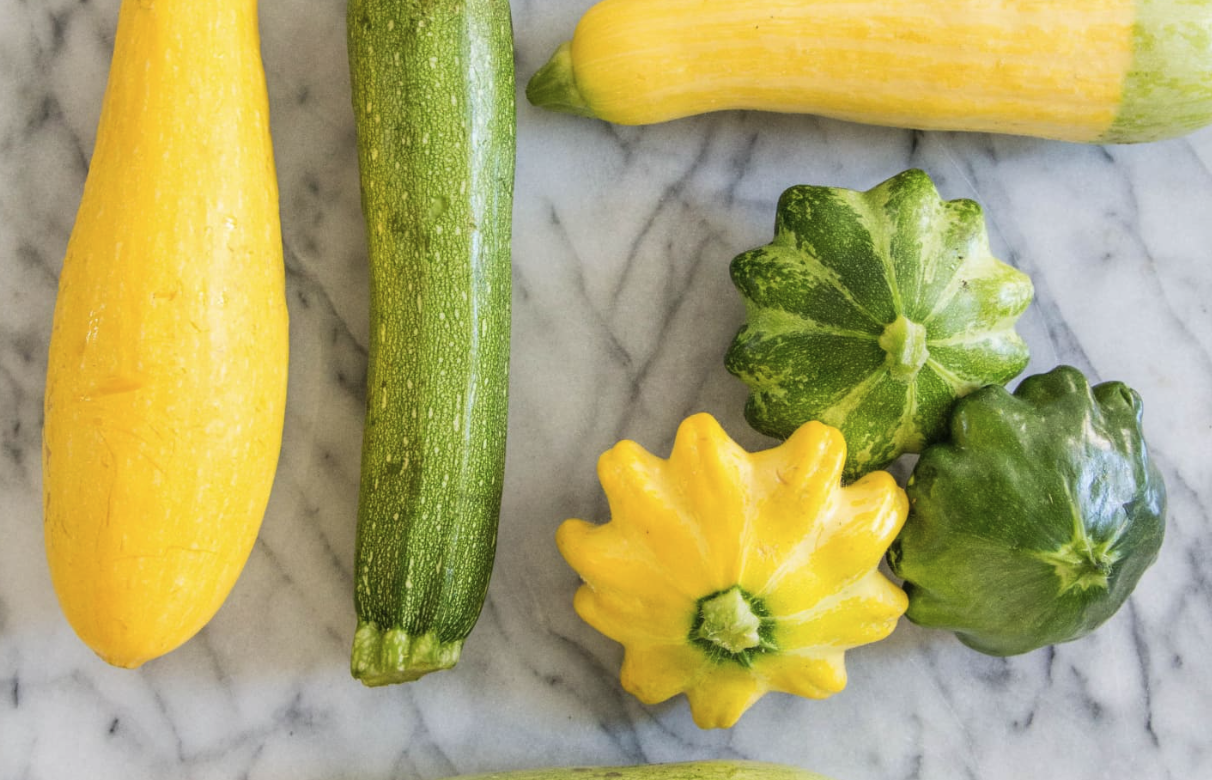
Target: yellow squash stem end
(554,86)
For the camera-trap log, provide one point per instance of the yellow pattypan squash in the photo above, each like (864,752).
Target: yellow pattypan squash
(726,574)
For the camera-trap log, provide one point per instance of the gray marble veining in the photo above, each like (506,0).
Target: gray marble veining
(622,312)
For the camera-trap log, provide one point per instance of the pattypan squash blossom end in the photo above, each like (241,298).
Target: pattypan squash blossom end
(726,574)
(873,312)
(1034,523)
(733,625)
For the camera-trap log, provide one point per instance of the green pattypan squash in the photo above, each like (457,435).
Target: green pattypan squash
(1035,522)
(873,312)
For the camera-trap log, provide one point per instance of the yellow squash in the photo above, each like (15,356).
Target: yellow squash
(166,383)
(726,574)
(1079,70)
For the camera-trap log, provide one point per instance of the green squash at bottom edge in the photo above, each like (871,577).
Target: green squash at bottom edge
(1034,523)
(685,770)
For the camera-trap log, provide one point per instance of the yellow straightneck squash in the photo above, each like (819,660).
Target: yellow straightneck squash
(1108,71)
(166,382)
(726,574)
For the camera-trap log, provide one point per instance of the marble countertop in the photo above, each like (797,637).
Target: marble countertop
(622,311)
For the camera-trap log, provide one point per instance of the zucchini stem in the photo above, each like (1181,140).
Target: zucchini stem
(393,656)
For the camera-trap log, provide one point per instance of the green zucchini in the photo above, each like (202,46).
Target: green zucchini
(433,96)
(688,770)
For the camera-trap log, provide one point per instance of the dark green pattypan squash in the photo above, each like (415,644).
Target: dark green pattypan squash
(1034,523)
(873,312)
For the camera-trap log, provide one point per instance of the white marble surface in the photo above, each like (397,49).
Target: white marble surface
(622,312)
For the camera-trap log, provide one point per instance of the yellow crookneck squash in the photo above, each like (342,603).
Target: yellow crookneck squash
(166,383)
(726,574)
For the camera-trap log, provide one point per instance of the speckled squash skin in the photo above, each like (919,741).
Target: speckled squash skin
(1167,90)
(433,98)
(166,382)
(873,312)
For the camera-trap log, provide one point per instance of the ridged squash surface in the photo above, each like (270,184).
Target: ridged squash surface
(873,312)
(727,574)
(1033,522)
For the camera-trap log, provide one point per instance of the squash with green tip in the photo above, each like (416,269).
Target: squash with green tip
(1033,524)
(873,312)
(1093,71)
